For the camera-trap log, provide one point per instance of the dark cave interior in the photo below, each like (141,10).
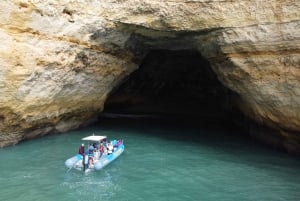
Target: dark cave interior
(173,83)
(180,87)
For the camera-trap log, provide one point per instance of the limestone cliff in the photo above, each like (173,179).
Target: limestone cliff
(54,75)
(61,58)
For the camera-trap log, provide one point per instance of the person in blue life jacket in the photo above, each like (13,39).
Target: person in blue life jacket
(91,149)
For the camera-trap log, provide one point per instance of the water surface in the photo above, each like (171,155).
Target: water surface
(162,161)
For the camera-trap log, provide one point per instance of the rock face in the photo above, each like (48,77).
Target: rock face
(60,59)
(58,63)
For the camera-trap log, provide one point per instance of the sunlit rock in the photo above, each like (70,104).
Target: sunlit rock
(60,59)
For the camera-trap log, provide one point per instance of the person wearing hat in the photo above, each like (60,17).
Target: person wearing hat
(81,150)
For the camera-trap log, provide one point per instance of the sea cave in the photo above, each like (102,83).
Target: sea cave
(174,84)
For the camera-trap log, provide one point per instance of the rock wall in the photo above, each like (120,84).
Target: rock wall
(253,46)
(60,59)
(54,76)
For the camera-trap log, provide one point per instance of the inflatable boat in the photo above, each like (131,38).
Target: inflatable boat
(95,153)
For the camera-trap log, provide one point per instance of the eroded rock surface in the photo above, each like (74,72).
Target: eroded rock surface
(61,59)
(58,63)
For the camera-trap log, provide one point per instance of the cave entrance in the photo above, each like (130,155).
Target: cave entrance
(172,83)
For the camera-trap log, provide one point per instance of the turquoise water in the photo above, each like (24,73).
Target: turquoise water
(161,162)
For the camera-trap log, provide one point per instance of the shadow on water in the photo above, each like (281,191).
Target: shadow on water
(219,135)
(195,130)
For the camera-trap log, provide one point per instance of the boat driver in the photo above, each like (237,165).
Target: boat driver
(81,150)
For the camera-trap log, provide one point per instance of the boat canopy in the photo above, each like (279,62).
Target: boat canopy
(95,138)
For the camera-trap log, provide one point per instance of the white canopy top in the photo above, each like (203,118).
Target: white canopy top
(95,138)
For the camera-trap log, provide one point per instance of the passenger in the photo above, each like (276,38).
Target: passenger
(91,161)
(110,148)
(105,142)
(102,149)
(98,145)
(91,149)
(119,143)
(81,150)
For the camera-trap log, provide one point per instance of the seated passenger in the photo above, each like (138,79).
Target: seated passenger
(91,149)
(119,143)
(102,149)
(91,161)
(110,148)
